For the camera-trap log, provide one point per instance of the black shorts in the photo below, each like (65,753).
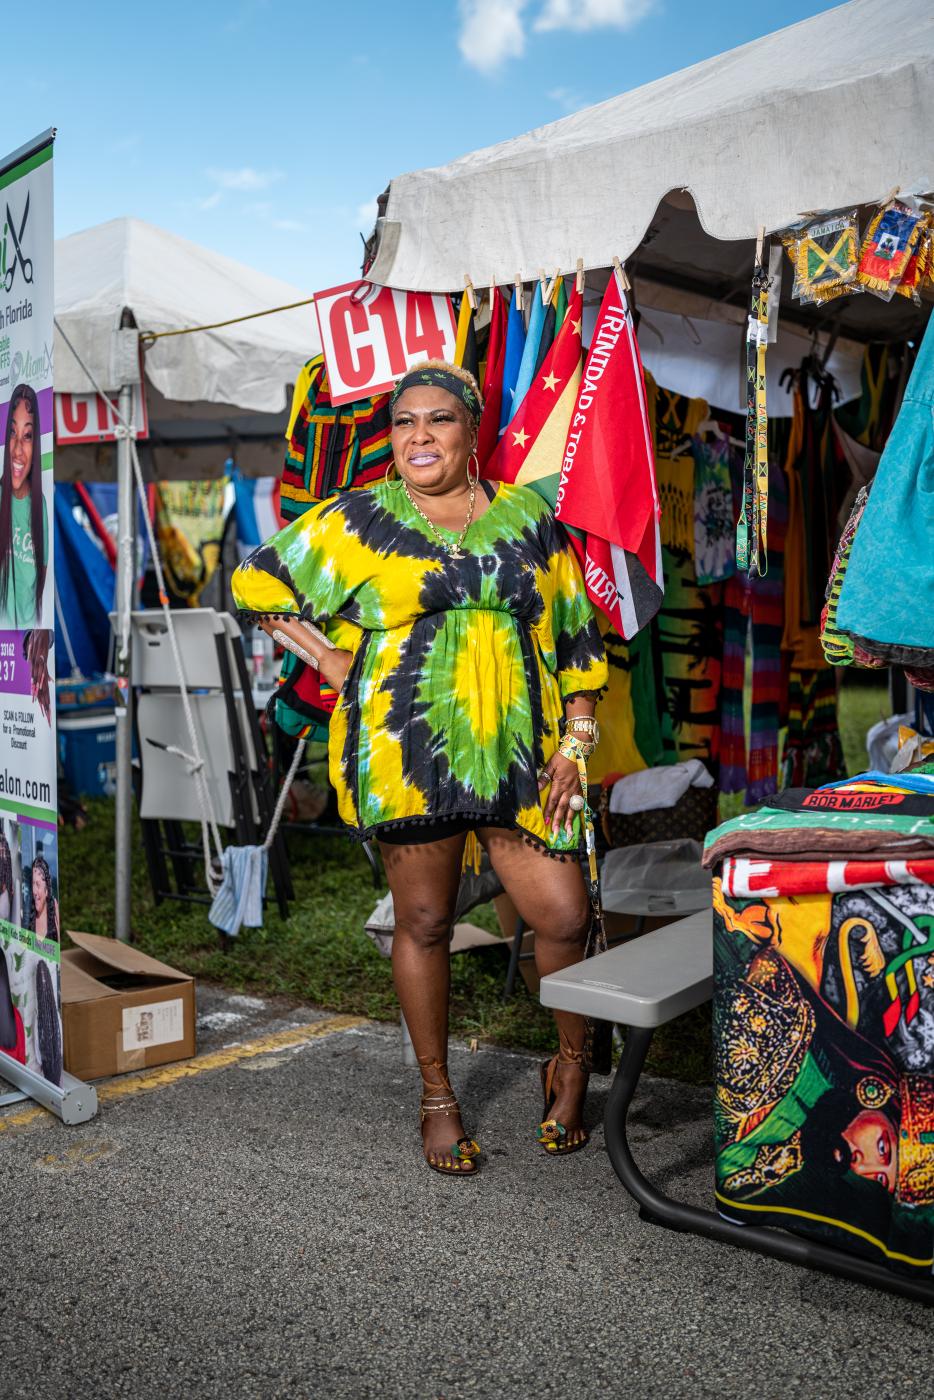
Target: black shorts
(438,829)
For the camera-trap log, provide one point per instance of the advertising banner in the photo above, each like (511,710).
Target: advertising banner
(30,937)
(372,335)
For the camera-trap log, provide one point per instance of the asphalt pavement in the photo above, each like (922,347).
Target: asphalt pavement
(267,1228)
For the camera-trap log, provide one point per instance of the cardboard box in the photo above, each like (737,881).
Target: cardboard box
(122,1010)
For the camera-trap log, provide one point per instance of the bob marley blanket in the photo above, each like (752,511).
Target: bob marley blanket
(824,1051)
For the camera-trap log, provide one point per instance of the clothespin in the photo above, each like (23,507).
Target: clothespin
(890,197)
(520,304)
(620,271)
(760,239)
(470,293)
(579,281)
(543,285)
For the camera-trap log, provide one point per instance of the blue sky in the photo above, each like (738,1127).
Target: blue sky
(264,128)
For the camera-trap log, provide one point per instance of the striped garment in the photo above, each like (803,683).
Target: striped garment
(331,449)
(753,621)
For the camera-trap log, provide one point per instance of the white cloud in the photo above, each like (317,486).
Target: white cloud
(289,225)
(367,214)
(592,14)
(491,32)
(212,200)
(246,179)
(567,99)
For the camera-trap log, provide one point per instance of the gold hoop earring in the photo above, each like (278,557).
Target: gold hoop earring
(473,480)
(393,485)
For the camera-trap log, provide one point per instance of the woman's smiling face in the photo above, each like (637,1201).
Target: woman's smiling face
(20,450)
(432,439)
(39,891)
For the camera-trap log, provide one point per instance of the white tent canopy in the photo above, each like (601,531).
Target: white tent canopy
(831,112)
(208,392)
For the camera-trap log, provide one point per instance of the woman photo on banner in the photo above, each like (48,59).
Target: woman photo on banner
(24,521)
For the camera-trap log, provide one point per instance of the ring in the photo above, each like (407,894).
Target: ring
(576,803)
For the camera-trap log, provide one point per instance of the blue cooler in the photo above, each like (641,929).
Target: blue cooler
(87,747)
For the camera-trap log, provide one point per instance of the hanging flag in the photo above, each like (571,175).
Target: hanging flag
(488,435)
(561,303)
(530,451)
(515,344)
(608,488)
(530,350)
(465,347)
(550,327)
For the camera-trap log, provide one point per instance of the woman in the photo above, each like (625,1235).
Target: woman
(24,525)
(12,1031)
(44,919)
(7,890)
(461,642)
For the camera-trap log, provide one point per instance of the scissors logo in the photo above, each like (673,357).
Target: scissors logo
(19,258)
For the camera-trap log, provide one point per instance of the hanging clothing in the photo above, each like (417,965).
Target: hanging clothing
(888,593)
(714,529)
(813,752)
(816,483)
(753,623)
(190,521)
(331,449)
(461,667)
(690,621)
(633,721)
(327,450)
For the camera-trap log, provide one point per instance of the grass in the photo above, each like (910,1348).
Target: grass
(321,953)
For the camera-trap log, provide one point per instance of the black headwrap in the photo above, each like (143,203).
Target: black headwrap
(440,379)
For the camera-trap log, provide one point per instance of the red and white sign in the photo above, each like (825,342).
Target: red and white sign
(92,418)
(372,335)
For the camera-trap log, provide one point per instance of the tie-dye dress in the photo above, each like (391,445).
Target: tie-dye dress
(461,667)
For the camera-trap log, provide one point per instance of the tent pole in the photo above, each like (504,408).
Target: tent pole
(123,706)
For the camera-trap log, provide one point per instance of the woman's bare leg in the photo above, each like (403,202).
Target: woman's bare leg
(424,881)
(551,898)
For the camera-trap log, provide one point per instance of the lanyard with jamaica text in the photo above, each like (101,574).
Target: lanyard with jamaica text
(752,527)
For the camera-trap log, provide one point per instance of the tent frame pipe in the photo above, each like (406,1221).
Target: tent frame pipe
(123,707)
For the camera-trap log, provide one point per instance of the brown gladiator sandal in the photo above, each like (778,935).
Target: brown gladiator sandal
(438,1097)
(551,1134)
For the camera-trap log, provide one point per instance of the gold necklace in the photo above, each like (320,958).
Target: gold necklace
(454,550)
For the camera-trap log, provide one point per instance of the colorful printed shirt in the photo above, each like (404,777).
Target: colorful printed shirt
(460,668)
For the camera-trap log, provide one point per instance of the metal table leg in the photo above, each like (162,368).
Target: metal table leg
(659,1209)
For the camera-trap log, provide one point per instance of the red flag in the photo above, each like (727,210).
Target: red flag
(608,488)
(493,381)
(531,449)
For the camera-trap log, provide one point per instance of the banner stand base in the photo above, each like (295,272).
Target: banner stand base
(75,1102)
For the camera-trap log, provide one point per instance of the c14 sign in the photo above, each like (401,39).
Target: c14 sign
(91,418)
(372,335)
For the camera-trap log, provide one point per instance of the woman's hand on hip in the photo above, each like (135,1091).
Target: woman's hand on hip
(564,778)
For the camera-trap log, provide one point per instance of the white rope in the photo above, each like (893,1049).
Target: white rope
(286,788)
(209,827)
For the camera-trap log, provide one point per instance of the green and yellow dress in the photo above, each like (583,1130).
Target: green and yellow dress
(461,667)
